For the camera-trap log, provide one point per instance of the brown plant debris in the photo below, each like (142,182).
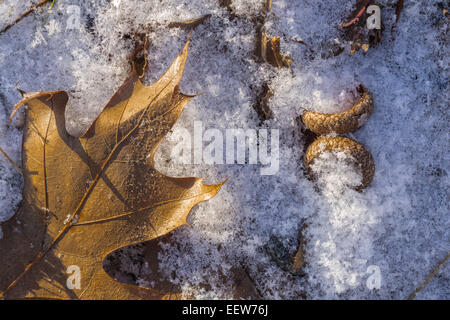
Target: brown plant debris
(347,121)
(262,105)
(190,24)
(11,161)
(292,263)
(356,31)
(269,50)
(363,158)
(23,15)
(398,10)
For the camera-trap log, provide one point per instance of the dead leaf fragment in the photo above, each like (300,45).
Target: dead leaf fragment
(190,24)
(87,196)
(24,14)
(357,16)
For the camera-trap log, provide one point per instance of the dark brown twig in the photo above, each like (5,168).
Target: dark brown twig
(430,276)
(358,15)
(11,161)
(398,10)
(23,15)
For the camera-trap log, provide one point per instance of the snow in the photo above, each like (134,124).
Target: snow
(399,223)
(10,180)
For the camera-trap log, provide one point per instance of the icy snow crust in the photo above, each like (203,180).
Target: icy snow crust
(399,224)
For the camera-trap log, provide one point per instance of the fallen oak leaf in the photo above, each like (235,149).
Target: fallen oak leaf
(84,197)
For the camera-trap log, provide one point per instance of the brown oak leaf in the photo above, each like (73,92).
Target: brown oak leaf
(87,196)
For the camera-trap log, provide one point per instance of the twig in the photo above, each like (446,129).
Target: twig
(429,277)
(11,161)
(190,24)
(398,10)
(23,15)
(358,15)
